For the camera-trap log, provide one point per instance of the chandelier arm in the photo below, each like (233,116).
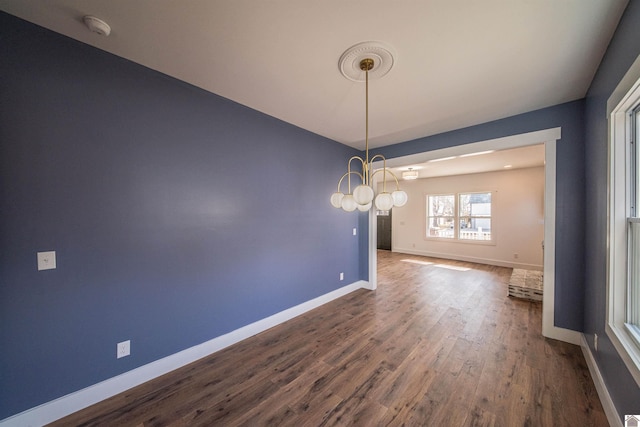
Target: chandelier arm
(384,168)
(396,179)
(365,172)
(385,171)
(374,174)
(349,173)
(361,161)
(384,175)
(362,176)
(378,156)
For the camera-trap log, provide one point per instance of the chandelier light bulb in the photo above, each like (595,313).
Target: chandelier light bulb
(364,208)
(363,194)
(384,201)
(399,198)
(349,203)
(336,199)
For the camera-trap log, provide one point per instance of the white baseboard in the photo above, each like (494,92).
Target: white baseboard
(477,260)
(73,402)
(601,388)
(561,334)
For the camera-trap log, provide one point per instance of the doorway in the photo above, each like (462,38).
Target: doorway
(549,137)
(384,229)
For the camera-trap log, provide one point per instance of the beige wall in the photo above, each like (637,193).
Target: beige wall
(518,213)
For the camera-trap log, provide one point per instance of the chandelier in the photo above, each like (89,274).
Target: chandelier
(360,170)
(410,174)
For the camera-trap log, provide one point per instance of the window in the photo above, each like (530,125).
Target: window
(632,318)
(460,217)
(441,216)
(623,263)
(475,216)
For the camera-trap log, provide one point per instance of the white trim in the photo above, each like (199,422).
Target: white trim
(549,328)
(373,247)
(73,402)
(512,141)
(562,334)
(476,260)
(601,388)
(547,136)
(624,87)
(621,101)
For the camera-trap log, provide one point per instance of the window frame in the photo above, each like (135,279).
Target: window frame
(457,218)
(633,329)
(633,223)
(471,217)
(428,217)
(621,205)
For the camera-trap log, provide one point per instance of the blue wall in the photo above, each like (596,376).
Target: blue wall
(623,50)
(177,215)
(569,278)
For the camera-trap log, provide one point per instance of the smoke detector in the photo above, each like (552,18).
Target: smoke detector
(97,25)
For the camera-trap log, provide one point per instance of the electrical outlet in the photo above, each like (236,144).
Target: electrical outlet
(595,342)
(516,256)
(123,349)
(341,276)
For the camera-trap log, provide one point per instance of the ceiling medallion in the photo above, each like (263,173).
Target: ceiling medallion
(382,55)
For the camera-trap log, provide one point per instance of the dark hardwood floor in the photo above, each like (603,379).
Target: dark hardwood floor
(439,343)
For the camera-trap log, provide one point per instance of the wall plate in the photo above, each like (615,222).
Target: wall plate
(47,260)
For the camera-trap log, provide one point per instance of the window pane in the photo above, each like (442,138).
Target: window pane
(441,216)
(635,164)
(633,260)
(475,228)
(633,309)
(475,204)
(475,216)
(440,227)
(441,205)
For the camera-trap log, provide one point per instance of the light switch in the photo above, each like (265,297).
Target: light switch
(47,260)
(355,231)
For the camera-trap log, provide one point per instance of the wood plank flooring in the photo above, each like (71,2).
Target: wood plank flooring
(439,343)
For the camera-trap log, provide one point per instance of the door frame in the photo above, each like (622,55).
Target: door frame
(548,137)
(377,219)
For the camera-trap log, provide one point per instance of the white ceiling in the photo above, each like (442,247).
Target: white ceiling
(457,63)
